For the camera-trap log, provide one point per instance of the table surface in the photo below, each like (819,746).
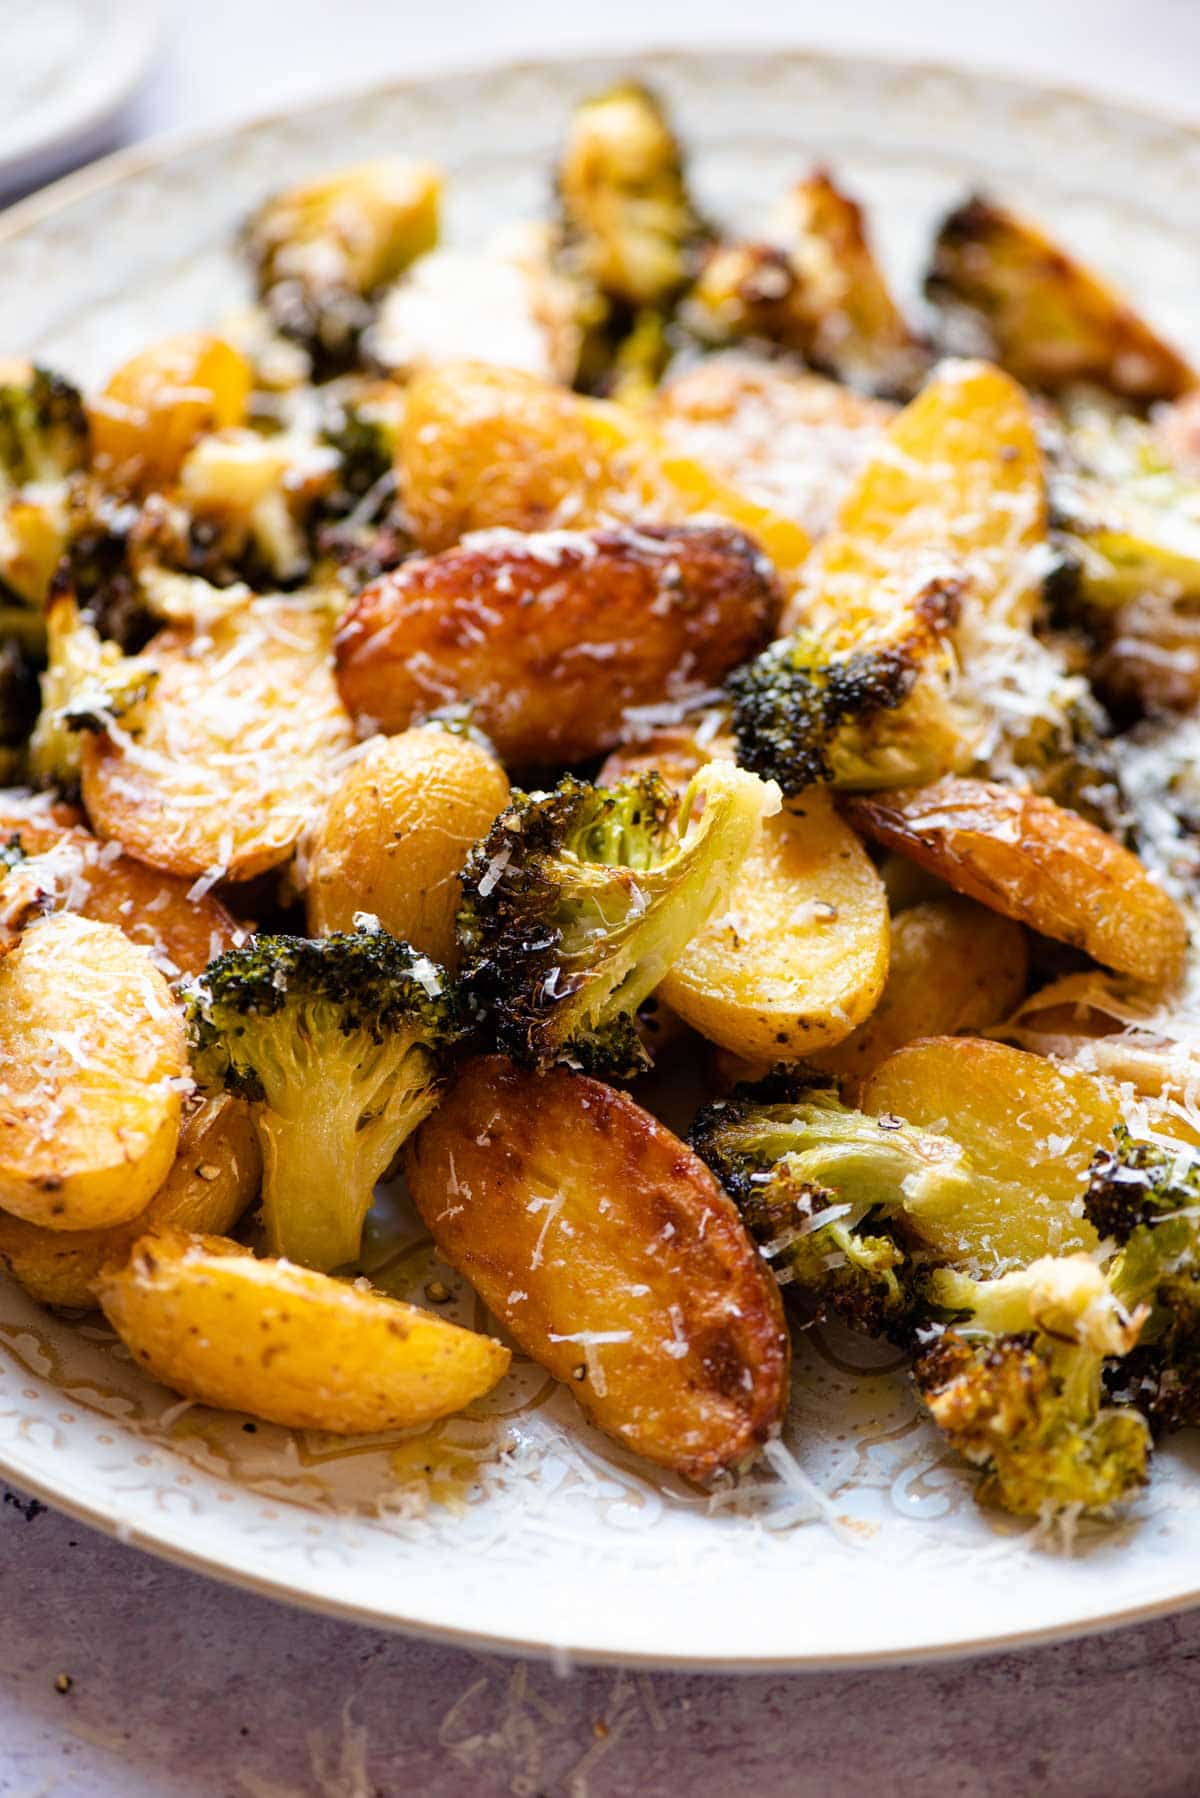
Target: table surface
(124,1678)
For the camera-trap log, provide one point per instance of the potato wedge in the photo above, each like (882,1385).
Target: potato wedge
(395,834)
(483,448)
(234,748)
(1026,857)
(1029,1130)
(289,1345)
(182,933)
(954,486)
(159,402)
(607,1249)
(92,1061)
(954,966)
(212,1181)
(1050,321)
(798,957)
(553,638)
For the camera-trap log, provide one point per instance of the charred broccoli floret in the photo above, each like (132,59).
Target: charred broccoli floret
(827,1192)
(1016,1384)
(322,253)
(340,1042)
(89,684)
(1146,1196)
(578,901)
(43,427)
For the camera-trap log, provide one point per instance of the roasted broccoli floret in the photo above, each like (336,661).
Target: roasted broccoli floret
(864,717)
(340,1042)
(1016,1384)
(827,1193)
(1011,292)
(322,253)
(89,684)
(578,901)
(43,427)
(1146,1197)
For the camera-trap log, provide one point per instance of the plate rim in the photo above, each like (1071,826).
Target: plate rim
(158,151)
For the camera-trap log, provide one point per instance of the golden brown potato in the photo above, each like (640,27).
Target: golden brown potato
(234,746)
(1029,1130)
(214,1177)
(790,440)
(215,1324)
(395,833)
(607,1249)
(797,957)
(182,933)
(1050,321)
(92,1059)
(485,448)
(954,966)
(1029,859)
(554,638)
(159,402)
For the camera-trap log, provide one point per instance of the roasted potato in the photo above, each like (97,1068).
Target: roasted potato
(234,748)
(486,448)
(92,1062)
(213,1179)
(607,1249)
(798,956)
(1029,859)
(157,910)
(553,639)
(1029,1130)
(295,1347)
(159,402)
(816,289)
(393,838)
(789,440)
(1047,319)
(954,966)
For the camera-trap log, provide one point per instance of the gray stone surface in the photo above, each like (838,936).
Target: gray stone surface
(182,1688)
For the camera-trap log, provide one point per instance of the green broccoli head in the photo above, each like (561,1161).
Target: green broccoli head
(1146,1196)
(340,1042)
(827,1192)
(43,426)
(1016,1384)
(88,685)
(578,901)
(870,716)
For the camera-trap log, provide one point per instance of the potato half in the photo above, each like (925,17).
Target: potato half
(395,834)
(212,1322)
(608,1250)
(214,1177)
(92,1062)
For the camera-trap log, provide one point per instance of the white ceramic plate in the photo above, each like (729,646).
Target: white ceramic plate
(552,1540)
(69,67)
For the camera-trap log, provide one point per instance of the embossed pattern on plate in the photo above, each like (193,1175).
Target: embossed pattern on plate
(515,1525)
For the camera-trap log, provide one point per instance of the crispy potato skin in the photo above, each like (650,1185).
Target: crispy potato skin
(233,747)
(798,956)
(214,1177)
(570,1209)
(153,909)
(159,402)
(395,833)
(954,966)
(92,1054)
(1053,323)
(289,1345)
(1026,857)
(553,638)
(1029,1128)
